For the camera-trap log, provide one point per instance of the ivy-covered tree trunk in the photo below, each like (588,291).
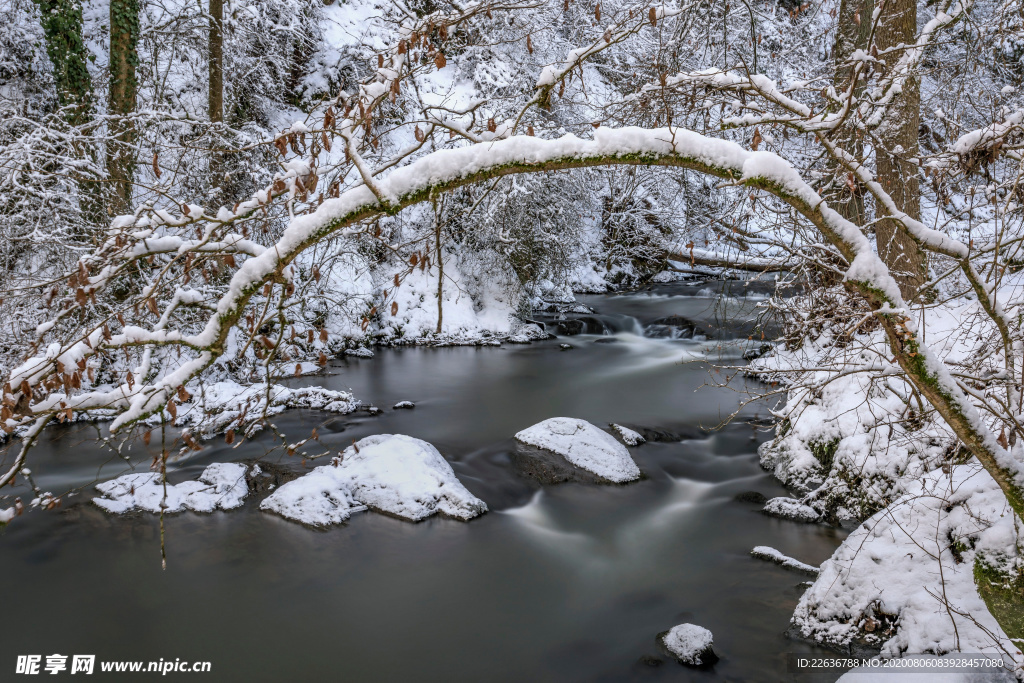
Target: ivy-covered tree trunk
(62,25)
(61,21)
(895,155)
(124,61)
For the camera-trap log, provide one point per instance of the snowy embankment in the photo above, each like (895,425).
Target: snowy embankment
(860,444)
(225,405)
(905,579)
(583,445)
(394,474)
(222,486)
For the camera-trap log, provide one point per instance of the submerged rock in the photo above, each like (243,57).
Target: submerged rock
(583,445)
(755,497)
(391,473)
(791,509)
(221,486)
(673,327)
(690,644)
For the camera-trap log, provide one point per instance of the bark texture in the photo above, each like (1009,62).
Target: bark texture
(898,145)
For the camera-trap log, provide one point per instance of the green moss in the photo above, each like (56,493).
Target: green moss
(825,453)
(1004,596)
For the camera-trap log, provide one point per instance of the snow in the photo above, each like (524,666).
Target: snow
(226,404)
(926,669)
(901,565)
(391,473)
(763,552)
(404,405)
(689,643)
(6,515)
(792,509)
(585,446)
(630,437)
(221,486)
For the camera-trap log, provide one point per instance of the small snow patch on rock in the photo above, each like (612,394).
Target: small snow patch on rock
(791,509)
(630,437)
(221,486)
(763,552)
(690,644)
(359,352)
(404,405)
(585,446)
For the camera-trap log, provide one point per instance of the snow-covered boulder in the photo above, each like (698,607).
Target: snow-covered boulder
(404,405)
(320,498)
(222,486)
(690,644)
(629,436)
(585,446)
(391,473)
(408,478)
(791,509)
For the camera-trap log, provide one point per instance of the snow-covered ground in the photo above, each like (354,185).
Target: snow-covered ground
(585,446)
(904,579)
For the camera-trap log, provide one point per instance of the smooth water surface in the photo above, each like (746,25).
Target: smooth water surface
(567,582)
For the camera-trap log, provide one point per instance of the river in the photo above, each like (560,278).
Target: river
(558,582)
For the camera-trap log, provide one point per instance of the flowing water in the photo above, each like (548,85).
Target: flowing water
(566,582)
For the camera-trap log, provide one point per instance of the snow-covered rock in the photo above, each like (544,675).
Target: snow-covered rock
(585,446)
(359,352)
(391,473)
(222,486)
(404,405)
(7,515)
(629,437)
(763,552)
(223,405)
(690,644)
(320,498)
(791,509)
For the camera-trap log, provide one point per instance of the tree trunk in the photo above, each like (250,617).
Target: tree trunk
(61,21)
(898,144)
(853,29)
(215,101)
(62,24)
(124,60)
(216,61)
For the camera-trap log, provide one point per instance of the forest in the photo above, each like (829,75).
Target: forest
(227,225)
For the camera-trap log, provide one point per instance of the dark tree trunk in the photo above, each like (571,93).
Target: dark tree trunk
(215,101)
